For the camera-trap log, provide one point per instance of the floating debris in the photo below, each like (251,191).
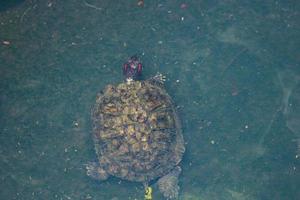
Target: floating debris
(6,42)
(140,3)
(183,6)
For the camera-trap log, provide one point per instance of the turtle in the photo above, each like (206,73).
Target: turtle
(137,132)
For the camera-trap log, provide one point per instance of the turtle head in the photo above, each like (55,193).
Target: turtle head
(132,69)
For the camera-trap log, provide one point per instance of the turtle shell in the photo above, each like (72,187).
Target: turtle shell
(137,133)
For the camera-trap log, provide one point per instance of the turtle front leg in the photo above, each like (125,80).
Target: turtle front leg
(158,79)
(168,184)
(94,170)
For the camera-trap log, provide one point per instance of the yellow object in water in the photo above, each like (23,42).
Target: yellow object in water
(148,193)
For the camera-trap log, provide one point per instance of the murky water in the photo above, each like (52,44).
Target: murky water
(232,68)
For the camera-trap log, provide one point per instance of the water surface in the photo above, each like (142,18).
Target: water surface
(232,69)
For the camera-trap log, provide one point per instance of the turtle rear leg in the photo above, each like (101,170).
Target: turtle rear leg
(94,170)
(168,184)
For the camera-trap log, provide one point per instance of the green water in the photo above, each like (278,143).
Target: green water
(232,68)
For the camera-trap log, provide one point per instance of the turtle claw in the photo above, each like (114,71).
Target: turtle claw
(158,78)
(94,171)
